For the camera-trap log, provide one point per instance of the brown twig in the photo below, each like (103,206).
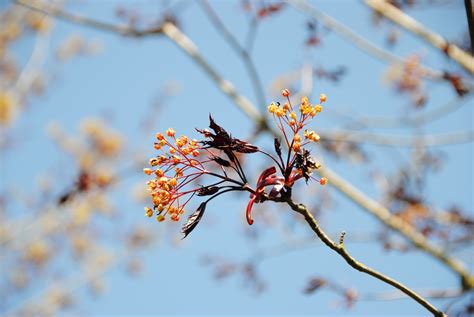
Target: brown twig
(341,250)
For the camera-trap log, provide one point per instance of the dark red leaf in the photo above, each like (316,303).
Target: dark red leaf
(277,145)
(220,161)
(242,146)
(193,220)
(207,191)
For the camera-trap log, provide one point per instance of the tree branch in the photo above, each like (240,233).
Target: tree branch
(399,17)
(341,250)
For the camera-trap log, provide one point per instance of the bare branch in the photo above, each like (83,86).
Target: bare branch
(340,249)
(397,16)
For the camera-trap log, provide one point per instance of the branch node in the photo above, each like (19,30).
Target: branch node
(341,239)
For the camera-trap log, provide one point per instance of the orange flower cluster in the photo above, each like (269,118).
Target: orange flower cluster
(292,123)
(286,115)
(169,168)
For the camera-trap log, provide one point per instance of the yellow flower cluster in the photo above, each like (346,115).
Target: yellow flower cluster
(312,136)
(274,108)
(307,109)
(286,115)
(286,112)
(165,190)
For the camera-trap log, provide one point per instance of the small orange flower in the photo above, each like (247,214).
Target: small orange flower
(170,132)
(148,211)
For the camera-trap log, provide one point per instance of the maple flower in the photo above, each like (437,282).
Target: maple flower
(182,163)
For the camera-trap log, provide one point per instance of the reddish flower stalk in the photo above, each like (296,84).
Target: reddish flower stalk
(183,162)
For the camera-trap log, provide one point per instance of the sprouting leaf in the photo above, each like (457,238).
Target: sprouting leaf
(223,141)
(243,146)
(220,161)
(217,128)
(277,147)
(193,220)
(207,190)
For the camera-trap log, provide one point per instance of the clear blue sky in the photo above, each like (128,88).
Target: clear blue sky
(126,77)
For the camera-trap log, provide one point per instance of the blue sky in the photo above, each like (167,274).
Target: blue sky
(125,78)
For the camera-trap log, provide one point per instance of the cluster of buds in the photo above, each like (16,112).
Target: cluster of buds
(173,169)
(182,162)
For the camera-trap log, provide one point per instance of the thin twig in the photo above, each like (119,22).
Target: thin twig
(251,34)
(399,17)
(244,54)
(341,250)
